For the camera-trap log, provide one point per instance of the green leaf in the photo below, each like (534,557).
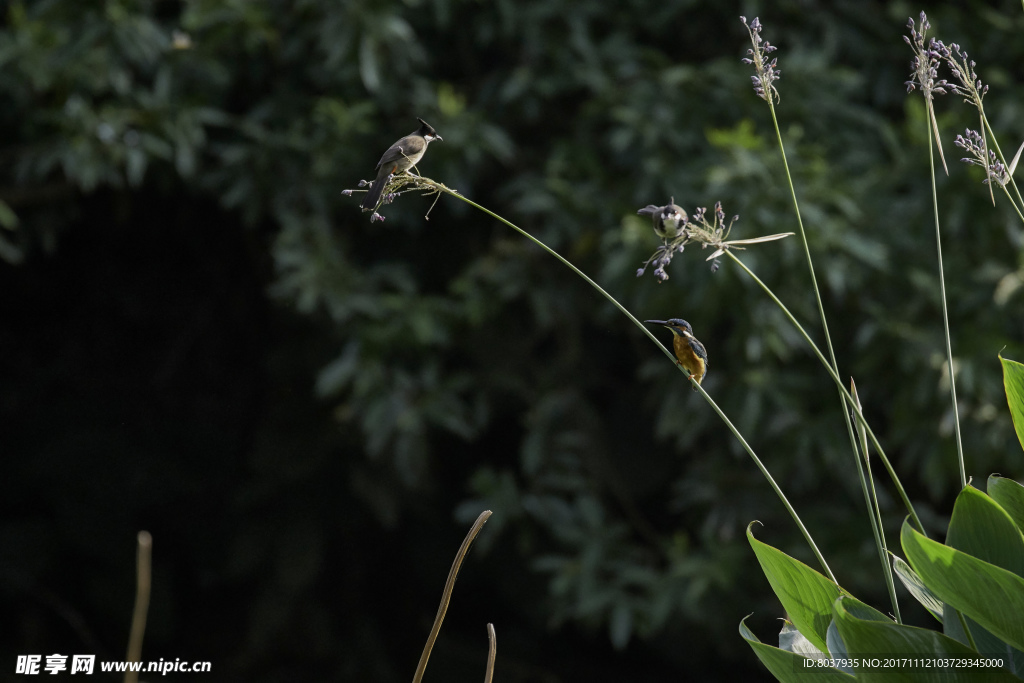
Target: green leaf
(837,647)
(806,595)
(1013,381)
(789,666)
(913,583)
(992,596)
(979,527)
(863,611)
(882,640)
(1010,496)
(982,529)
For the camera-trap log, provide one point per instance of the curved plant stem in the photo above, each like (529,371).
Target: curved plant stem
(143,586)
(764,471)
(492,653)
(669,354)
(945,319)
(835,378)
(446,596)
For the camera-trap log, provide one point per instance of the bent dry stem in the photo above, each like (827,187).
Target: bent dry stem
(728,423)
(446,598)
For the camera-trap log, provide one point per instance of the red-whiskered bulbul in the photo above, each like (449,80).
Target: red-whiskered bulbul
(669,220)
(399,158)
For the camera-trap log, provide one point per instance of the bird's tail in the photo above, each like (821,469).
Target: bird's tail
(372,197)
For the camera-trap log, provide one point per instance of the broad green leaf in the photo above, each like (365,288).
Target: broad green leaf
(992,596)
(982,529)
(913,583)
(806,595)
(1013,381)
(1010,496)
(984,640)
(789,666)
(881,640)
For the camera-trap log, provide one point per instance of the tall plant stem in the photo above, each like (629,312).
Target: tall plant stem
(846,394)
(810,268)
(845,408)
(867,483)
(945,317)
(728,423)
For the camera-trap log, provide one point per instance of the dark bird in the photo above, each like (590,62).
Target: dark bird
(669,220)
(690,352)
(399,158)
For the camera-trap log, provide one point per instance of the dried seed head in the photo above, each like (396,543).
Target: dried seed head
(968,85)
(974,144)
(766,72)
(924,66)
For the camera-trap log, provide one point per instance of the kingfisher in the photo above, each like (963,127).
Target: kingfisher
(691,353)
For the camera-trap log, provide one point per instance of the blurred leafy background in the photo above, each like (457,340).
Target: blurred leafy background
(201,337)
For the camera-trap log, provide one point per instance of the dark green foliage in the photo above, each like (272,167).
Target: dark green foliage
(200,336)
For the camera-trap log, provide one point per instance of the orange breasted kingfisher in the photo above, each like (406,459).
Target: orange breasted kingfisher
(691,353)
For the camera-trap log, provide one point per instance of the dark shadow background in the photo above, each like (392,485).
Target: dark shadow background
(201,337)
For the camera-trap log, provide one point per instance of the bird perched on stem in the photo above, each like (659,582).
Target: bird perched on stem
(669,220)
(690,353)
(399,158)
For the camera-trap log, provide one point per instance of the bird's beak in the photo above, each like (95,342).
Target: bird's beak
(438,138)
(657,322)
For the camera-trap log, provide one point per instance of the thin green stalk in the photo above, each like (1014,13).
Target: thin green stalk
(764,470)
(874,512)
(810,268)
(835,378)
(821,308)
(966,629)
(1014,205)
(999,152)
(671,356)
(945,318)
